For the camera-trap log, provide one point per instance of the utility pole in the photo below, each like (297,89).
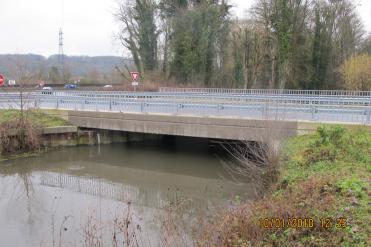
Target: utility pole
(61,54)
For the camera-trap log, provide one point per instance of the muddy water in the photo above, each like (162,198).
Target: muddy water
(71,197)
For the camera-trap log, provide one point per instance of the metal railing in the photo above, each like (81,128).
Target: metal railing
(352,107)
(200,98)
(282,108)
(267,91)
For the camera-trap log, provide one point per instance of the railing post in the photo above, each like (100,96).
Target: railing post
(110,105)
(314,111)
(141,107)
(264,110)
(220,108)
(178,107)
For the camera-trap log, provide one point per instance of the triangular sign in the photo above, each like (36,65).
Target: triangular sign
(134,76)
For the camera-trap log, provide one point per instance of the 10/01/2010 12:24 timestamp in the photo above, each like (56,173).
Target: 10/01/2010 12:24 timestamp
(305,223)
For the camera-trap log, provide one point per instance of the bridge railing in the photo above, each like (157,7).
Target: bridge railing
(255,111)
(278,108)
(198,98)
(267,91)
(227,99)
(165,91)
(207,92)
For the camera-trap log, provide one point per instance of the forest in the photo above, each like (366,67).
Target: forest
(296,44)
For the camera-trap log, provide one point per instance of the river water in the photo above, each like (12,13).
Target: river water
(82,196)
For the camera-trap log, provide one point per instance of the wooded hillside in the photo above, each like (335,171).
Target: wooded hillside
(30,68)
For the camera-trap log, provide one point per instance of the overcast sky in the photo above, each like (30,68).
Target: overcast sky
(31,26)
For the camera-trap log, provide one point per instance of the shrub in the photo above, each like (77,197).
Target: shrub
(356,72)
(333,135)
(327,146)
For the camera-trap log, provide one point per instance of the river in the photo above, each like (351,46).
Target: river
(81,196)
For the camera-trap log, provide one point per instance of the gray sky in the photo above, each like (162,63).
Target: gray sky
(32,26)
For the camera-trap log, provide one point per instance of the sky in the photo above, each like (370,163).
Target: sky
(89,26)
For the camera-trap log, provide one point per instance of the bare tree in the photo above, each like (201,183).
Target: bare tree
(19,134)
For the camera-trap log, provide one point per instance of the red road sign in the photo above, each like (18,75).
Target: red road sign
(2,79)
(134,76)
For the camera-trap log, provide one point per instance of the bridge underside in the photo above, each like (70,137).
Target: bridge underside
(190,126)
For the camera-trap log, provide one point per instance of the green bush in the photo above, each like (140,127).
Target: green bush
(332,135)
(327,146)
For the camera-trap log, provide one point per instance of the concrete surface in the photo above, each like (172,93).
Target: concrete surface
(191,126)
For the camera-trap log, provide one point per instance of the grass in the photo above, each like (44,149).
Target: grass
(38,118)
(324,177)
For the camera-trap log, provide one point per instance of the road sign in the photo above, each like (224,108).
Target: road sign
(134,83)
(2,79)
(134,76)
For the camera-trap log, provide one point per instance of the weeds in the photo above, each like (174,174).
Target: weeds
(257,162)
(125,231)
(174,233)
(18,136)
(325,176)
(91,231)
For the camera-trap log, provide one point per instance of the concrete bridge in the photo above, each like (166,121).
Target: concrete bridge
(235,115)
(191,126)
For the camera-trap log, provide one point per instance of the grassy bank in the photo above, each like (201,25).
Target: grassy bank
(20,134)
(320,199)
(37,118)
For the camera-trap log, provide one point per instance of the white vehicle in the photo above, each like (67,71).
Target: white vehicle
(46,90)
(11,83)
(108,86)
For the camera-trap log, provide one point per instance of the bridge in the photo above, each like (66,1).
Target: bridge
(210,113)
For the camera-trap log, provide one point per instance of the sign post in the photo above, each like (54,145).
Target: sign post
(2,80)
(134,78)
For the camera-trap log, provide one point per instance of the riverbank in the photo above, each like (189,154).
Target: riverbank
(48,130)
(34,132)
(21,132)
(320,199)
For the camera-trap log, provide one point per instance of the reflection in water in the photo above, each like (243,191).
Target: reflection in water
(62,194)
